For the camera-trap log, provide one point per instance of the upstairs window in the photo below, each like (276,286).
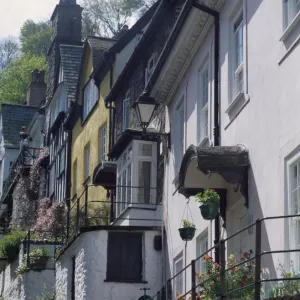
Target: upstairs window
(201,248)
(290,8)
(150,67)
(238,59)
(126,111)
(179,134)
(203,104)
(124,257)
(136,179)
(178,267)
(86,161)
(102,143)
(90,97)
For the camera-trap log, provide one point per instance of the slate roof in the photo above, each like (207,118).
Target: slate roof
(99,45)
(71,57)
(14,117)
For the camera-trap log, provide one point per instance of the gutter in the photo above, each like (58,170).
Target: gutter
(216,130)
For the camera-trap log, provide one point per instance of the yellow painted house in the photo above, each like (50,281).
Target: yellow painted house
(90,133)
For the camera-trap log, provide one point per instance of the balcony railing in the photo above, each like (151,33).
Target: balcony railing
(25,159)
(253,276)
(85,211)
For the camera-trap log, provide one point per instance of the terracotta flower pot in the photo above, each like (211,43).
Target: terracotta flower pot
(209,211)
(187,233)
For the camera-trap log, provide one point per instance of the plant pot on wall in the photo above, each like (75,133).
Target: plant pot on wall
(187,233)
(209,211)
(40,262)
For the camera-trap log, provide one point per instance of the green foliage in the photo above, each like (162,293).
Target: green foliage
(236,277)
(14,79)
(35,38)
(100,215)
(208,196)
(286,287)
(47,295)
(10,245)
(187,223)
(111,15)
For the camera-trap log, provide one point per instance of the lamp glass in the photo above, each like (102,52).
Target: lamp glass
(145,111)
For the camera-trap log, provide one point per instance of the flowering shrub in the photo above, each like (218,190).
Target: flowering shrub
(34,174)
(51,220)
(237,277)
(208,196)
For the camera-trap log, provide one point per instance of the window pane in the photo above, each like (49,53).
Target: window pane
(179,278)
(144,181)
(86,161)
(145,150)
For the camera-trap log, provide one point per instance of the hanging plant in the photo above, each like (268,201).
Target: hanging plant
(187,232)
(210,201)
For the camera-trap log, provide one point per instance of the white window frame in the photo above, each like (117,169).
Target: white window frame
(87,160)
(126,111)
(150,67)
(102,143)
(293,223)
(179,135)
(178,265)
(90,97)
(201,248)
(203,107)
(61,74)
(291,9)
(131,192)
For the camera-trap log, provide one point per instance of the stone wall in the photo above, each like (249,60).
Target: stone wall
(90,251)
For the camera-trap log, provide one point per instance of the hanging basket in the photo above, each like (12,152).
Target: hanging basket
(187,233)
(209,211)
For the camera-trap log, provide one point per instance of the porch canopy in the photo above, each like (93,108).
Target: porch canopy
(105,174)
(214,167)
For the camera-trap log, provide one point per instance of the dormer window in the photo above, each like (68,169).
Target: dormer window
(90,98)
(150,67)
(126,111)
(136,178)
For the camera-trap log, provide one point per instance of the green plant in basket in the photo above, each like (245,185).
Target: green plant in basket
(188,230)
(187,223)
(210,202)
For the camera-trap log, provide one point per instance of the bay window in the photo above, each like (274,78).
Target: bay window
(136,179)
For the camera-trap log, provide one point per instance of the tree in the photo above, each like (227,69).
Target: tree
(14,79)
(111,15)
(8,52)
(35,38)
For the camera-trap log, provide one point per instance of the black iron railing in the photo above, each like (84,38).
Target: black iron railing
(84,211)
(25,159)
(201,285)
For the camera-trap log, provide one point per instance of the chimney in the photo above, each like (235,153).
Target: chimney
(36,92)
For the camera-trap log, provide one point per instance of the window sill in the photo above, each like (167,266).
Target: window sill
(234,102)
(125,281)
(290,28)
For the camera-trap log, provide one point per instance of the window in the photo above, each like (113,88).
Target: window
(126,111)
(238,59)
(179,134)
(75,177)
(201,248)
(150,67)
(124,257)
(90,97)
(178,280)
(294,209)
(86,161)
(61,75)
(136,179)
(102,143)
(291,9)
(203,104)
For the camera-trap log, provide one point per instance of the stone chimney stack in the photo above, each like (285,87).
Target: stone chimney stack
(36,92)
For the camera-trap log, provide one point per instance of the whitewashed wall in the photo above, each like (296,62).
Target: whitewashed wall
(267,124)
(90,250)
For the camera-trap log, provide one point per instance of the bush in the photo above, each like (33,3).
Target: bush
(10,245)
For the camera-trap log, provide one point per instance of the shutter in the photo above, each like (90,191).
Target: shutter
(113,257)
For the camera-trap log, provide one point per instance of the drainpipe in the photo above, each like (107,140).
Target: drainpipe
(216,129)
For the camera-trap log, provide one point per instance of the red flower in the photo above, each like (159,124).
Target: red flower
(243,283)
(246,254)
(242,258)
(251,278)
(233,270)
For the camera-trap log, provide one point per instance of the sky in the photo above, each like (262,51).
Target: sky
(13,13)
